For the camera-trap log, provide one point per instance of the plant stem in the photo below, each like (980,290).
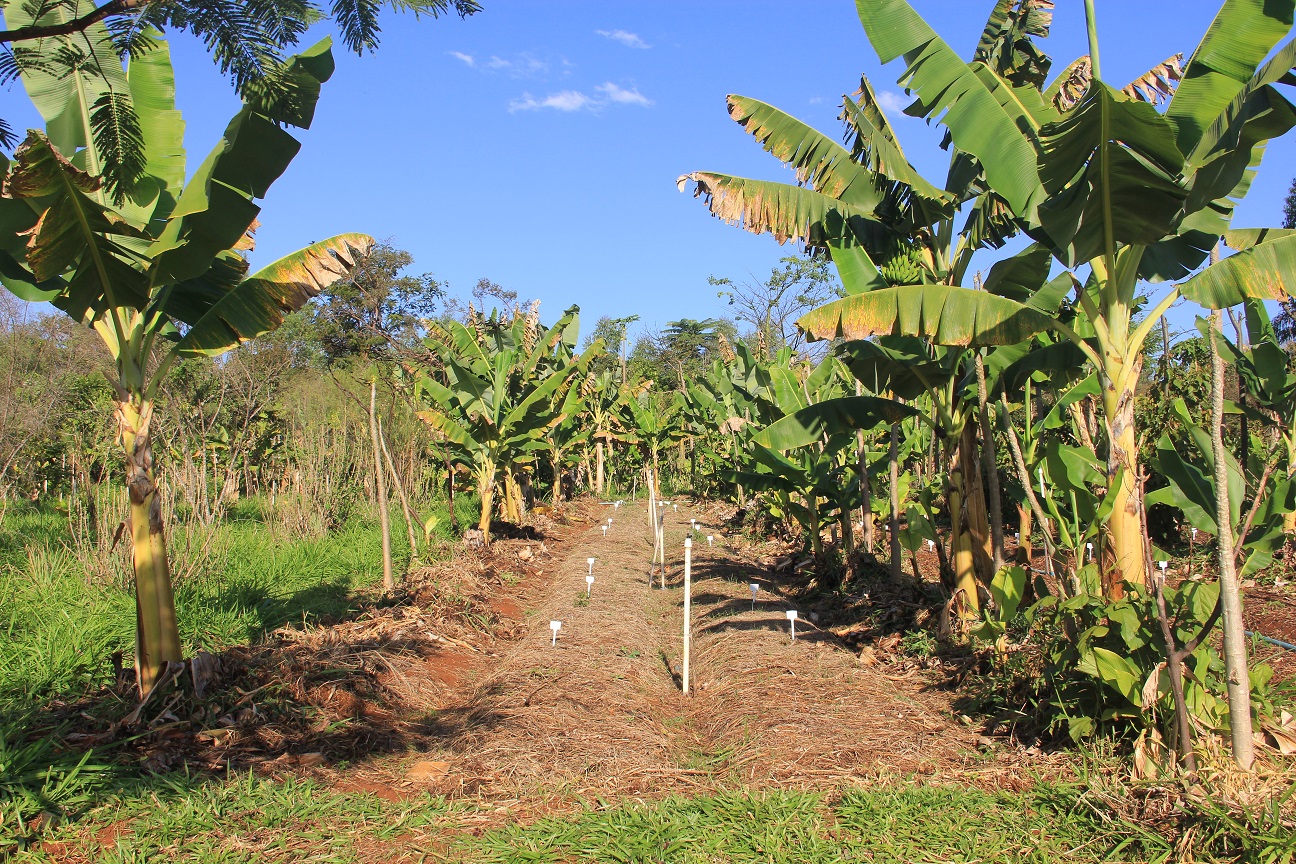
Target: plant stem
(1091,21)
(1235,662)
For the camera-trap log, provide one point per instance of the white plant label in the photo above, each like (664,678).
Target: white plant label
(931,546)
(792,619)
(555,626)
(604,527)
(1089,549)
(709,539)
(589,583)
(590,562)
(754,588)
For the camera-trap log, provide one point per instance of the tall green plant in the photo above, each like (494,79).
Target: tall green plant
(1112,185)
(157,273)
(500,387)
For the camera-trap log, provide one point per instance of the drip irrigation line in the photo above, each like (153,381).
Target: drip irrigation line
(1272,641)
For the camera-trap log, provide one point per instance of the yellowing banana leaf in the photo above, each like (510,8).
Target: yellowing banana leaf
(260,302)
(944,314)
(1263,271)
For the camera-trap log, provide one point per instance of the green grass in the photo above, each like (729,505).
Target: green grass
(59,629)
(242,820)
(246,819)
(899,822)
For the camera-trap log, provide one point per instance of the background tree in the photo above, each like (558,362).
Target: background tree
(1284,323)
(612,332)
(681,351)
(770,308)
(377,309)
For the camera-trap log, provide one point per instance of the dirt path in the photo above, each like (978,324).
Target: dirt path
(601,713)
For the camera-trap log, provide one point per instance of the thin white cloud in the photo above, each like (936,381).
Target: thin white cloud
(522,66)
(565,100)
(568,101)
(625,37)
(815,100)
(613,93)
(893,102)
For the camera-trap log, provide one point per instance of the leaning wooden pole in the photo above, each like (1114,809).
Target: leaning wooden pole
(400,495)
(380,487)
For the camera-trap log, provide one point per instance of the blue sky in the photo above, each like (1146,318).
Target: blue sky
(538,143)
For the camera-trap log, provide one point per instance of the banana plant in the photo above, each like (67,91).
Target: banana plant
(653,424)
(601,413)
(887,229)
(569,434)
(1103,180)
(498,392)
(156,268)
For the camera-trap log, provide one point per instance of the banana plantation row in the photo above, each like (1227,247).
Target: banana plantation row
(949,398)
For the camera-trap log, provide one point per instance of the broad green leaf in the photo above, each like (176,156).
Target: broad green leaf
(1237,41)
(1190,489)
(215,209)
(152,83)
(1224,174)
(875,147)
(1008,587)
(949,90)
(1132,199)
(81,71)
(452,430)
(1019,276)
(819,162)
(1120,674)
(831,417)
(1242,239)
(855,268)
